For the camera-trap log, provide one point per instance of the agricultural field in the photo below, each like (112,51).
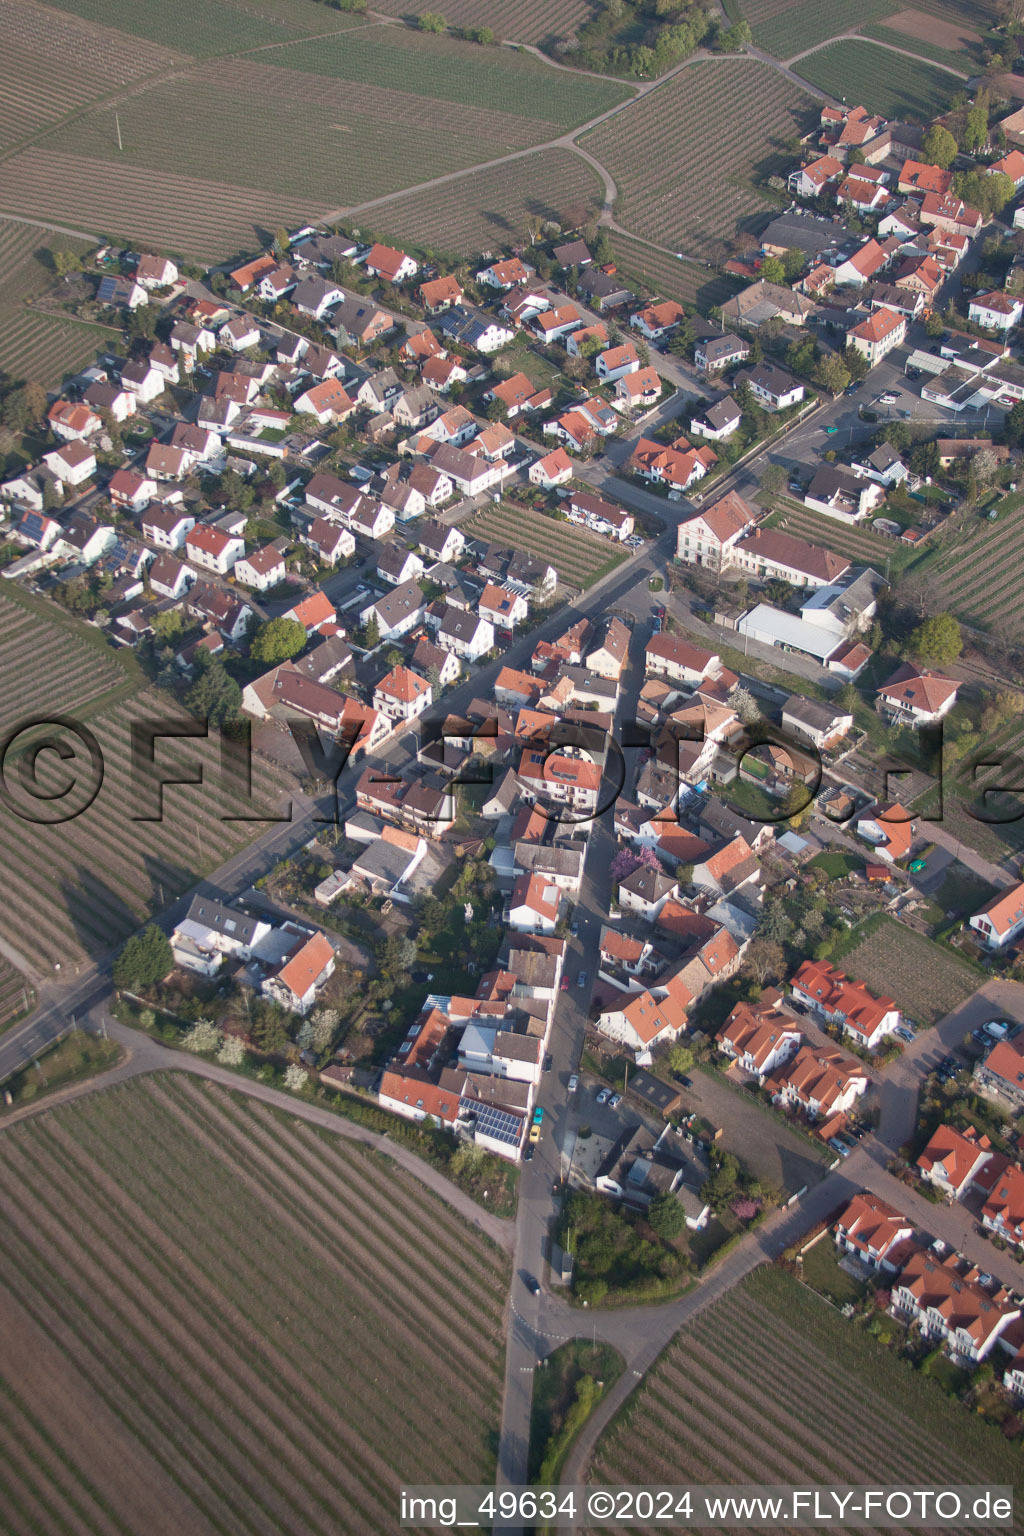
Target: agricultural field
(579,557)
(926,980)
(949,41)
(685,159)
(786,28)
(180,214)
(487,210)
(856,543)
(667,277)
(207,27)
(76,888)
(282,1320)
(699,1417)
(16,996)
(441,68)
(979,576)
(41,347)
(520,21)
(885,82)
(53,63)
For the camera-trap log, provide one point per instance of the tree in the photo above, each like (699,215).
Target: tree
(774,922)
(144,960)
(848,698)
(65,262)
(1015,425)
(772,270)
(765,960)
(856,364)
(720,1186)
(933,325)
(25,407)
(372,633)
(203,1038)
(736,37)
(771,482)
(938,147)
(924,460)
(431,21)
(665,1215)
(214,696)
(277,640)
(832,374)
(797,804)
(745,705)
(975,134)
(937,642)
(896,434)
(679,1058)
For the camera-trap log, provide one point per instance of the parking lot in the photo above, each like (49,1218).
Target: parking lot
(754,1134)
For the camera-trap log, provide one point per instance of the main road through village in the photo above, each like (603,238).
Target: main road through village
(537,1323)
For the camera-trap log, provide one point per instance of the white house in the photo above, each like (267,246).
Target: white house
(300,977)
(611,365)
(396,565)
(156,272)
(391,265)
(210,930)
(502,607)
(213,549)
(996,311)
(772,386)
(261,570)
(330,542)
(73,463)
(553,469)
(167,527)
(467,635)
(916,696)
(168,577)
(396,612)
(402,695)
(834,997)
(240,333)
(533,905)
(1000,920)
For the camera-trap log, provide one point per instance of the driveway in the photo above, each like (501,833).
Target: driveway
(753,1134)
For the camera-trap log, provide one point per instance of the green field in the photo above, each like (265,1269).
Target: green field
(686,157)
(827,1404)
(579,556)
(487,210)
(521,21)
(977,573)
(962,61)
(207,27)
(787,27)
(218,1318)
(882,81)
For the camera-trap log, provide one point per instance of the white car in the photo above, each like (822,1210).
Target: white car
(888,398)
(603,1095)
(574,1083)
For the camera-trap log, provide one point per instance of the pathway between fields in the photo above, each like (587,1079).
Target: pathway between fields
(146,1055)
(858,37)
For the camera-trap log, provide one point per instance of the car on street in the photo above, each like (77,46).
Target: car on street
(831,431)
(574,1083)
(581,979)
(889,398)
(535,1134)
(838,1146)
(656,626)
(603,1095)
(565,983)
(548,1061)
(532,1284)
(574,927)
(527,1153)
(615,1101)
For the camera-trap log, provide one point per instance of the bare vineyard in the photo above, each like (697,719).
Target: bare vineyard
(842,1410)
(16,996)
(668,277)
(786,30)
(579,557)
(274,1353)
(203,219)
(927,982)
(980,578)
(685,158)
(490,209)
(520,21)
(211,26)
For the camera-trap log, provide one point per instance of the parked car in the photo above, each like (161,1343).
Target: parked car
(535,1134)
(574,927)
(615,1101)
(603,1095)
(532,1284)
(574,1083)
(565,983)
(837,1146)
(548,1061)
(581,979)
(527,1153)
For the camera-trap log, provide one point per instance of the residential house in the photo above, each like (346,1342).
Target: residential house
(396,612)
(156,272)
(678,465)
(439,294)
(822,724)
(73,422)
(839,493)
(440,541)
(167,527)
(359,322)
(874,1232)
(555,468)
(1000,1074)
(838,1000)
(224,610)
(330,542)
(996,311)
(916,696)
(313,612)
(890,830)
(715,352)
(502,606)
(262,570)
(709,537)
(680,660)
(213,549)
(769,555)
(503,275)
(953,1159)
(759,1037)
(169,577)
(876,336)
(1001,920)
(397,565)
(402,695)
(131,490)
(646,892)
(602,290)
(608,656)
(466,328)
(639,390)
(950,1307)
(820,1081)
(469,636)
(517,394)
(296,982)
(1003,1210)
(601,516)
(717,421)
(771,385)
(72,463)
(652,1017)
(658,320)
(328,401)
(533,905)
(211,931)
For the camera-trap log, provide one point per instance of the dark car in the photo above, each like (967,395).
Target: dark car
(574,927)
(527,1153)
(532,1285)
(581,979)
(687,1082)
(548,1060)
(913,373)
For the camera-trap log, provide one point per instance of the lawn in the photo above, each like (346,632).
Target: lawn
(579,557)
(706,1414)
(77,1056)
(927,981)
(219,1318)
(821,1270)
(561,1400)
(835,863)
(885,82)
(688,159)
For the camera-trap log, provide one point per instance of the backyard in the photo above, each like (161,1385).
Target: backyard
(926,980)
(282,1318)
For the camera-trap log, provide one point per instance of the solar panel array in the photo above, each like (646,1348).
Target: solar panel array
(498,1124)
